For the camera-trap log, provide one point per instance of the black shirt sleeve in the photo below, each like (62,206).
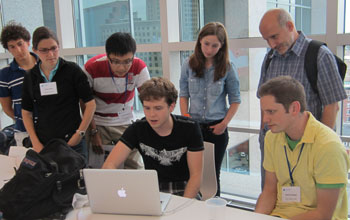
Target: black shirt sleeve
(195,138)
(82,84)
(129,137)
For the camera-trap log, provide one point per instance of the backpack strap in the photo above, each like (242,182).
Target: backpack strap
(310,63)
(268,60)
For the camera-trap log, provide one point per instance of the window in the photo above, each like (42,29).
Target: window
(195,14)
(97,20)
(32,14)
(347,16)
(153,66)
(240,170)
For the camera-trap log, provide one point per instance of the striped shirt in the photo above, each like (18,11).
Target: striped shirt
(114,103)
(11,80)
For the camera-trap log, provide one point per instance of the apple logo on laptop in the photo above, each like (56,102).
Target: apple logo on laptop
(121,193)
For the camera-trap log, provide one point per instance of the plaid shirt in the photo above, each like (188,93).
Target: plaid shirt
(329,83)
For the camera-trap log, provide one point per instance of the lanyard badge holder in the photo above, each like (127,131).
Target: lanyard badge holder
(291,193)
(126,87)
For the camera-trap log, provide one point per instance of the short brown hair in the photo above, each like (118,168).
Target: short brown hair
(157,88)
(14,31)
(286,90)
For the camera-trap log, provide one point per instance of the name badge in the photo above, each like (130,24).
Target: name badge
(291,194)
(49,88)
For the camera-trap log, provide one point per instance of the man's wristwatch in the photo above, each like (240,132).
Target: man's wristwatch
(93,132)
(81,133)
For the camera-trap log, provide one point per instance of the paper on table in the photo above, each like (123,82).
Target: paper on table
(7,170)
(18,153)
(9,163)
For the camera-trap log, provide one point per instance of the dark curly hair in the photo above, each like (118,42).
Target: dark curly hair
(14,31)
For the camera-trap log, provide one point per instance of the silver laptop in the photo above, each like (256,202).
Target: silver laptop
(121,191)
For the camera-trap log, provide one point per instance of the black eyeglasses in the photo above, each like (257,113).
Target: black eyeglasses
(46,50)
(119,62)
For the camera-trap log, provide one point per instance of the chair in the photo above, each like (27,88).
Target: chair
(208,187)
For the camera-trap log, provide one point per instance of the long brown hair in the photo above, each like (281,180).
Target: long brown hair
(221,59)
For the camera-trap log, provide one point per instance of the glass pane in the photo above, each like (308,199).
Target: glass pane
(146,21)
(305,24)
(184,55)
(242,18)
(306,3)
(153,61)
(97,20)
(282,2)
(347,16)
(81,60)
(240,170)
(190,22)
(195,13)
(31,14)
(248,64)
(346,102)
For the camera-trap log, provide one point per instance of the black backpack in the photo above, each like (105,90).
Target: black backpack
(310,63)
(44,184)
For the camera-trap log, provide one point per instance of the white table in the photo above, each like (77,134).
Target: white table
(179,208)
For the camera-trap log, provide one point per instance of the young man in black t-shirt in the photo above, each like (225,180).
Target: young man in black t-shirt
(172,145)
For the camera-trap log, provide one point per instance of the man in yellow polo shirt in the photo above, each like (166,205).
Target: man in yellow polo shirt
(305,163)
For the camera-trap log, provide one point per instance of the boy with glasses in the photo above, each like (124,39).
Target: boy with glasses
(113,78)
(16,39)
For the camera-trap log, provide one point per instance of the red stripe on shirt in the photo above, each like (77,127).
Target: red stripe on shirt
(117,98)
